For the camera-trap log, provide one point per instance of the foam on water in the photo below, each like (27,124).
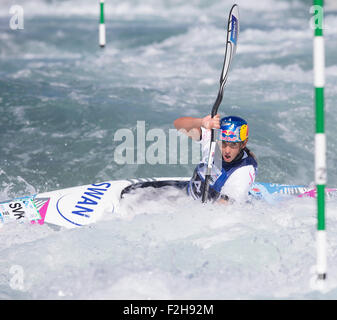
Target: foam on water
(173,248)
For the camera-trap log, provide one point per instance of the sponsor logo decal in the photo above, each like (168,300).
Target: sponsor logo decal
(234,30)
(79,210)
(244,132)
(19,210)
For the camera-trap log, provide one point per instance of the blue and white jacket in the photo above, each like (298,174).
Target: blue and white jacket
(228,180)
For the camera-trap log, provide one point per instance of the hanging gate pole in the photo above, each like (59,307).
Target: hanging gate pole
(102,40)
(320,139)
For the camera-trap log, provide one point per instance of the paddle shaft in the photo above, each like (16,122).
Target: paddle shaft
(232,28)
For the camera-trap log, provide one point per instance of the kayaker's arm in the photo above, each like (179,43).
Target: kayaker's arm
(192,126)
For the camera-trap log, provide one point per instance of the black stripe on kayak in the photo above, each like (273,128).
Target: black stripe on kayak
(155,184)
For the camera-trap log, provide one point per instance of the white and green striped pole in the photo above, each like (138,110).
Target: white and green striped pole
(320,140)
(102,39)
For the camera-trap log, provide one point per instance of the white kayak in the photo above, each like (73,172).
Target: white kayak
(83,205)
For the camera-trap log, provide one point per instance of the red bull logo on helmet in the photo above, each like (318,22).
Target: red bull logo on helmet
(234,129)
(240,134)
(229,135)
(228,132)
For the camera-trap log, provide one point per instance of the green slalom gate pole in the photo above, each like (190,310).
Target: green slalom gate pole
(320,139)
(102,39)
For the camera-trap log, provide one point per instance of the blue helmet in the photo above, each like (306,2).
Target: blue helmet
(233,129)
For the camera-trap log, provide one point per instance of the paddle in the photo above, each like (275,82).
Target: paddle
(231,44)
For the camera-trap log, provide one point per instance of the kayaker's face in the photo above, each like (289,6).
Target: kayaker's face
(230,150)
